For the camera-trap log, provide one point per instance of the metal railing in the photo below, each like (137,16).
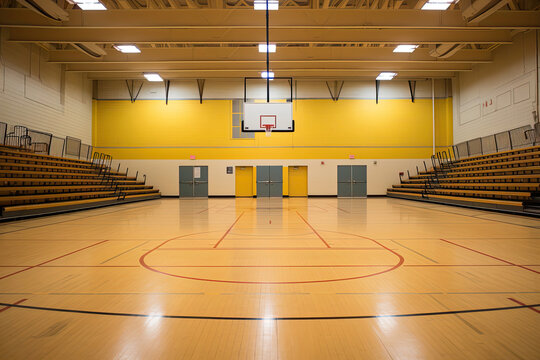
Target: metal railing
(444,161)
(103,164)
(44,143)
(520,137)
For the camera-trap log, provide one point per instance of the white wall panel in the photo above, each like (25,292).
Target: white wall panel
(279,89)
(322,178)
(498,96)
(38,95)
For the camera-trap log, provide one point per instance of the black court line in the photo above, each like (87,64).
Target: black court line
(122,253)
(202,317)
(65,221)
(416,252)
(471,216)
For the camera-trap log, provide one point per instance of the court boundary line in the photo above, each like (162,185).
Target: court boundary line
(228,230)
(520,303)
(56,258)
(313,229)
(491,256)
(151,268)
(203,317)
(9,307)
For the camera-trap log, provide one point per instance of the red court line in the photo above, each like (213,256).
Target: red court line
(228,230)
(232,266)
(15,303)
(56,258)
(271,248)
(520,303)
(315,231)
(200,212)
(142,261)
(491,256)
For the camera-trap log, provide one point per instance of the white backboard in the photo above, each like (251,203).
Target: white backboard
(278,115)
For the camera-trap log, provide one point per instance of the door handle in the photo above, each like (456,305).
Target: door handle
(264,181)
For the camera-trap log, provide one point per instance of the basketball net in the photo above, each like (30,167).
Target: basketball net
(268,129)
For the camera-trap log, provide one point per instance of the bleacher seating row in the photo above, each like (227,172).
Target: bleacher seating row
(508,180)
(32,184)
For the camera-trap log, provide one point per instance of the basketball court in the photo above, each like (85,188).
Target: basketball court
(293,278)
(292,179)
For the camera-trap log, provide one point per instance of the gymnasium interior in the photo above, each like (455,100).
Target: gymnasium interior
(269,179)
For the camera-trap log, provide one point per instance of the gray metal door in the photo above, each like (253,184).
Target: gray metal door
(186,181)
(269,181)
(359,181)
(263,181)
(344,173)
(200,181)
(276,181)
(193,181)
(352,181)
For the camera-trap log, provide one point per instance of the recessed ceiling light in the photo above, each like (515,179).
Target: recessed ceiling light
(261,4)
(266,75)
(405,48)
(153,77)
(127,49)
(90,5)
(386,76)
(271,48)
(436,5)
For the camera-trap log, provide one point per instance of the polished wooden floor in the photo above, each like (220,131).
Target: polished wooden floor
(271,279)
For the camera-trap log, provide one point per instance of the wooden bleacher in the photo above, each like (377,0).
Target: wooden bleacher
(508,181)
(34,184)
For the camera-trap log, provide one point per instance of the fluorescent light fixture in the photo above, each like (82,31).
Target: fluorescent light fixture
(127,49)
(90,5)
(405,48)
(386,76)
(271,48)
(266,75)
(152,77)
(436,5)
(261,4)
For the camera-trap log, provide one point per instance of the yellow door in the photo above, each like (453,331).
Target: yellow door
(298,181)
(244,181)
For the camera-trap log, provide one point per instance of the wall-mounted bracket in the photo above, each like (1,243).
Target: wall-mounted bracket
(167,87)
(412,89)
(131,88)
(335,89)
(200,85)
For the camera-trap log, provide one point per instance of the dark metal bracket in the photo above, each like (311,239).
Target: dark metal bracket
(200,85)
(335,90)
(167,87)
(131,89)
(412,89)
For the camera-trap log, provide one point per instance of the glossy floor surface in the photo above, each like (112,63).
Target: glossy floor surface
(298,278)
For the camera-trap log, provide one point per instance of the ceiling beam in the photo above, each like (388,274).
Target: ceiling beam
(288,19)
(276,67)
(319,74)
(285,55)
(235,35)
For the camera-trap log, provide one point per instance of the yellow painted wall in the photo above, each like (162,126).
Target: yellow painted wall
(392,129)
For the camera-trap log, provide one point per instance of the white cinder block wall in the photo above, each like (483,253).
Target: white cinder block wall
(501,95)
(41,96)
(322,178)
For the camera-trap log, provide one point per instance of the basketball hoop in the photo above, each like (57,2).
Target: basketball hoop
(268,122)
(268,129)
